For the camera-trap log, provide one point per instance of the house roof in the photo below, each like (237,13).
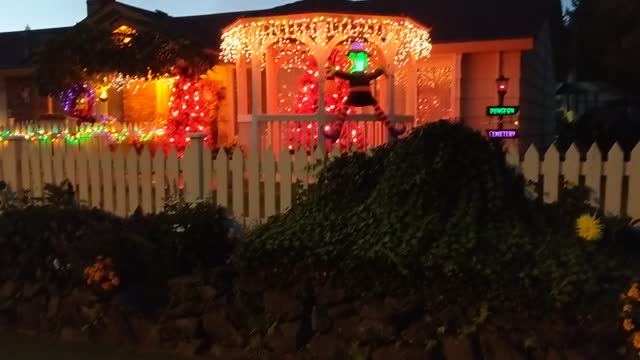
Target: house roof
(18,46)
(450,21)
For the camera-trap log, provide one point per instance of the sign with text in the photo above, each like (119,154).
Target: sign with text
(502,134)
(502,110)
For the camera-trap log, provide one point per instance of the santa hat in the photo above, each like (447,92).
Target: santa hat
(358,47)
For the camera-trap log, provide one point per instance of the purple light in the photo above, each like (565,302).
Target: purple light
(502,134)
(71,95)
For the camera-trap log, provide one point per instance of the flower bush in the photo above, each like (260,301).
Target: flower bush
(631,316)
(101,275)
(589,227)
(52,239)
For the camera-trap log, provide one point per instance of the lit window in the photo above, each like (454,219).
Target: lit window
(124,34)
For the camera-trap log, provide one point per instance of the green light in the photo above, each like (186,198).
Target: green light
(360,61)
(502,110)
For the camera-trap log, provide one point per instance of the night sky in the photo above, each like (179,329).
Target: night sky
(16,15)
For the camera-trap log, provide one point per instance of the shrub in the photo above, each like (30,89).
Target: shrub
(53,239)
(442,212)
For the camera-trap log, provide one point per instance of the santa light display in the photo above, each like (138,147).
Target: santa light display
(359,92)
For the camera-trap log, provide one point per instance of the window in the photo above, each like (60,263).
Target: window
(123,35)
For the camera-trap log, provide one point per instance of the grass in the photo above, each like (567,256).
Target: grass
(17,347)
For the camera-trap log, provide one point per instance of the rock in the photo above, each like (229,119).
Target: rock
(347,328)
(327,347)
(494,347)
(53,306)
(31,290)
(31,313)
(418,333)
(188,328)
(330,296)
(281,343)
(8,290)
(457,348)
(573,355)
(375,311)
(68,334)
(553,354)
(191,348)
(251,285)
(320,321)
(290,329)
(141,330)
(189,309)
(221,330)
(281,305)
(220,352)
(399,353)
(89,314)
(402,311)
(375,331)
(4,322)
(207,294)
(117,328)
(341,311)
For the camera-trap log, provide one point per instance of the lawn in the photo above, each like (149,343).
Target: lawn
(16,347)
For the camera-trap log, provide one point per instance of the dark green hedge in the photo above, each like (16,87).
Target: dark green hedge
(442,213)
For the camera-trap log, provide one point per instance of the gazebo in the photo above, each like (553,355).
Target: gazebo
(282,96)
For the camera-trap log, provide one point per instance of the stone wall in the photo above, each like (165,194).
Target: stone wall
(239,317)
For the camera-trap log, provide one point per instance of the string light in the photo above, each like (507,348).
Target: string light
(85,133)
(250,36)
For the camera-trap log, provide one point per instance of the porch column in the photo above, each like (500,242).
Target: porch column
(391,87)
(241,124)
(456,88)
(321,55)
(4,114)
(411,96)
(273,127)
(256,99)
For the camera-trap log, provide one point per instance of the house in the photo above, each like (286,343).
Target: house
(472,44)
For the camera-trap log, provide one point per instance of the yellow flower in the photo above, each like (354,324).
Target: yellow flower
(627,324)
(636,340)
(589,227)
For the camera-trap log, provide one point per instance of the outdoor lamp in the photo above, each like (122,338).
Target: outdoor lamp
(502,83)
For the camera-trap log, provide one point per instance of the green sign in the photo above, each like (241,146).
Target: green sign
(502,110)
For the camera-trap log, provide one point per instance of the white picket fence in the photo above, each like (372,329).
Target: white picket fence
(615,183)
(257,186)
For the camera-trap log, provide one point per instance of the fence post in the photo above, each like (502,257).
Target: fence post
(12,163)
(192,168)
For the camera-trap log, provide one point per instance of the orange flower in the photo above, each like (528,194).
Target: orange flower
(627,308)
(115,281)
(627,324)
(634,292)
(636,340)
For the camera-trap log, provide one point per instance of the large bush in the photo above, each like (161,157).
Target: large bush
(53,239)
(440,212)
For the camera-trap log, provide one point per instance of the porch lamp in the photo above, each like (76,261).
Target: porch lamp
(502,85)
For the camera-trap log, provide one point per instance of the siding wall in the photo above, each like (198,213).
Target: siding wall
(478,85)
(538,91)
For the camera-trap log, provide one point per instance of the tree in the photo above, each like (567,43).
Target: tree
(605,38)
(186,110)
(86,52)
